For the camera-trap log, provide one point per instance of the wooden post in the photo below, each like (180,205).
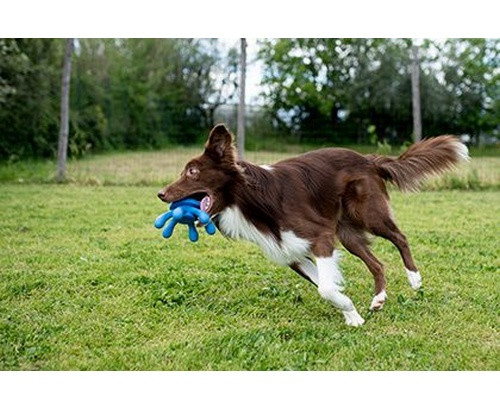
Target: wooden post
(240,140)
(62,150)
(415,92)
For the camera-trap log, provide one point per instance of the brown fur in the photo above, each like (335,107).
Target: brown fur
(324,196)
(428,157)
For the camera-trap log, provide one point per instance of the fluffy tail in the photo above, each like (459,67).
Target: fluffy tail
(423,159)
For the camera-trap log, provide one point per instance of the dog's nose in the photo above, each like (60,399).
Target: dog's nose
(161,195)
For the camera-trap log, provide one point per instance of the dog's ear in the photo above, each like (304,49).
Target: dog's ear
(220,144)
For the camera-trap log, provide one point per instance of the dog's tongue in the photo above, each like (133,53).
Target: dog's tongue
(206,203)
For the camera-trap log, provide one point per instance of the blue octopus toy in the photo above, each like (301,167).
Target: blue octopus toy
(186,211)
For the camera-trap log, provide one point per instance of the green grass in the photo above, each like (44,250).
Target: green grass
(88,283)
(148,168)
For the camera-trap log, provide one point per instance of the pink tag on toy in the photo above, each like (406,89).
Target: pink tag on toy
(206,203)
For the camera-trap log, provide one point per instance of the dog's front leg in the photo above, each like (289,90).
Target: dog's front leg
(307,269)
(330,283)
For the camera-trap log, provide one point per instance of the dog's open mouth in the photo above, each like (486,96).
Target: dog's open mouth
(206,200)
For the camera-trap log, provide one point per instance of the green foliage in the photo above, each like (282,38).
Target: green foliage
(125,93)
(384,148)
(472,75)
(30,82)
(89,284)
(469,181)
(372,134)
(146,93)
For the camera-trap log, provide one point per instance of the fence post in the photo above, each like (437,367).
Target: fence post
(241,107)
(415,93)
(62,150)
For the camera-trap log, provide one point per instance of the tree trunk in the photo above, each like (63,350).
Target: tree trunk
(62,151)
(241,107)
(415,91)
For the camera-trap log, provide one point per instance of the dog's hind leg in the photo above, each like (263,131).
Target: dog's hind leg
(367,204)
(355,242)
(330,283)
(386,228)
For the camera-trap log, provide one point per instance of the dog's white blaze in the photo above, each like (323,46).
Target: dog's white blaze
(291,249)
(330,283)
(331,267)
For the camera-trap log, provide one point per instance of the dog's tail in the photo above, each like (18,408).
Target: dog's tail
(423,159)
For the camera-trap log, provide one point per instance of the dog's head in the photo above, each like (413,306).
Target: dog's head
(208,177)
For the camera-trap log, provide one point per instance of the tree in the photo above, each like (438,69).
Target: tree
(29,111)
(125,93)
(472,78)
(336,90)
(62,151)
(12,68)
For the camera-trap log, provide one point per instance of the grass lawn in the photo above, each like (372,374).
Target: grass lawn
(88,283)
(155,168)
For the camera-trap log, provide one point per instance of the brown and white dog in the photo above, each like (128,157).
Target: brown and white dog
(297,209)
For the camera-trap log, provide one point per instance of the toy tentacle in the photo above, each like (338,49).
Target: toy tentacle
(160,221)
(202,216)
(193,233)
(167,232)
(210,228)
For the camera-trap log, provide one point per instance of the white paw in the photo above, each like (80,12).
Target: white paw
(414,278)
(378,301)
(352,318)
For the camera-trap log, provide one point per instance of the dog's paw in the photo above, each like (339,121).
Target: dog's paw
(378,301)
(414,278)
(352,318)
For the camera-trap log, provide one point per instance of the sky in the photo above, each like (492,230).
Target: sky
(254,68)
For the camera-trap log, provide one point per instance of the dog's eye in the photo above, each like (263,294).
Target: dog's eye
(192,172)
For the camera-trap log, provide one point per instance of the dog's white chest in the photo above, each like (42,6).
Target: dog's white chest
(291,249)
